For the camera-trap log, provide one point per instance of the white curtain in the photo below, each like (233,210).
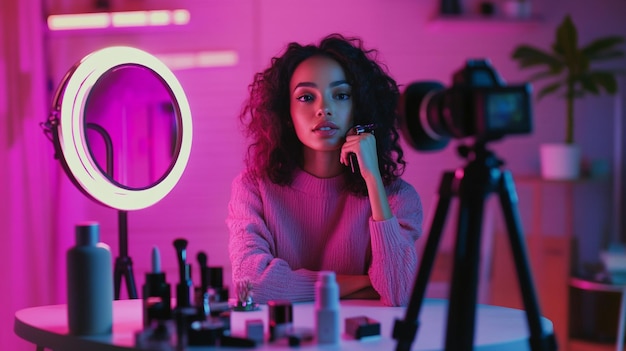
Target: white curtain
(38,206)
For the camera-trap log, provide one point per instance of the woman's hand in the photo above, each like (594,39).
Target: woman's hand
(363,146)
(364,294)
(356,287)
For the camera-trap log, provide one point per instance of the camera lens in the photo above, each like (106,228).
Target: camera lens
(420,130)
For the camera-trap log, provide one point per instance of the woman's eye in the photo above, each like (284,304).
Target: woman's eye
(342,96)
(304,98)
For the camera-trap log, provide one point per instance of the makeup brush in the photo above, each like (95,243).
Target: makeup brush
(204,270)
(181,249)
(202,293)
(183,288)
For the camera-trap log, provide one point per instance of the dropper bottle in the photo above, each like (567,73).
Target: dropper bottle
(327,308)
(156,293)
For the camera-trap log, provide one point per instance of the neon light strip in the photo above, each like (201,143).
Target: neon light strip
(199,59)
(118,19)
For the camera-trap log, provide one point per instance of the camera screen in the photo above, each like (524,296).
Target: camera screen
(507,111)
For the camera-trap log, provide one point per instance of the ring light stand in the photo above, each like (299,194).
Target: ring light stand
(68,128)
(123,263)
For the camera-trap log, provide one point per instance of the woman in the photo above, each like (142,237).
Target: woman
(299,207)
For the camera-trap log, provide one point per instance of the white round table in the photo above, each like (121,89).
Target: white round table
(496,328)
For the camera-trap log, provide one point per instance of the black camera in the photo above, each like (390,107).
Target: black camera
(478,104)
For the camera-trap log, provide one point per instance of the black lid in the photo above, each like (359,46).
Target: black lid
(87,233)
(155,279)
(216,279)
(280,311)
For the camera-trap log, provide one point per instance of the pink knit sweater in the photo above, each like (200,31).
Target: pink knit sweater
(281,236)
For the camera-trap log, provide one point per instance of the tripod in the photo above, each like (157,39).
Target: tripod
(123,262)
(481,176)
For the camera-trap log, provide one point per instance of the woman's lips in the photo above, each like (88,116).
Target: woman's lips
(326,129)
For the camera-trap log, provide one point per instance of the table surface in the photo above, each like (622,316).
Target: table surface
(496,328)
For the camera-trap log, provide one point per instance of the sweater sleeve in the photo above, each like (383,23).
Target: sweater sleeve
(394,256)
(252,251)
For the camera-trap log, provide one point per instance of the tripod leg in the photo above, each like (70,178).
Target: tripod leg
(117,279)
(464,286)
(124,268)
(508,198)
(130,279)
(404,331)
(123,263)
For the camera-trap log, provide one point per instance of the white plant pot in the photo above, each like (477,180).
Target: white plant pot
(560,161)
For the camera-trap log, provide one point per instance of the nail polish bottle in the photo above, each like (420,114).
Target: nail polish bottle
(89,283)
(156,293)
(327,308)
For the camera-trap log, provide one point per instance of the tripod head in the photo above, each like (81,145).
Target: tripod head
(483,166)
(478,152)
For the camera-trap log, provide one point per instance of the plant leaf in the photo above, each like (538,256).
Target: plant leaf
(605,79)
(599,47)
(545,74)
(571,66)
(606,55)
(528,56)
(566,39)
(588,84)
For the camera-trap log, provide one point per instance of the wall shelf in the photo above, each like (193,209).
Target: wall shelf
(488,21)
(496,18)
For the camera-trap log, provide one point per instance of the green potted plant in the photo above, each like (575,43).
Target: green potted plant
(568,69)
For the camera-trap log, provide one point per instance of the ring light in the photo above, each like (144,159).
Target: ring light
(70,128)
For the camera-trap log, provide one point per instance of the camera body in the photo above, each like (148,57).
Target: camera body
(478,104)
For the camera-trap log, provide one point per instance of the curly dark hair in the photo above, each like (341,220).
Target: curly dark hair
(276,151)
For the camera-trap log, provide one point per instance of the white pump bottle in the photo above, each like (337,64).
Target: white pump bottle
(327,308)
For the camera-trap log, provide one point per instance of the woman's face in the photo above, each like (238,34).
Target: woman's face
(321,103)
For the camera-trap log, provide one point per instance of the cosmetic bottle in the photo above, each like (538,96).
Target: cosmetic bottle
(156,293)
(89,283)
(280,317)
(218,291)
(327,308)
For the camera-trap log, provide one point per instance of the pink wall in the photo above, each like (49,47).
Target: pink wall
(415,47)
